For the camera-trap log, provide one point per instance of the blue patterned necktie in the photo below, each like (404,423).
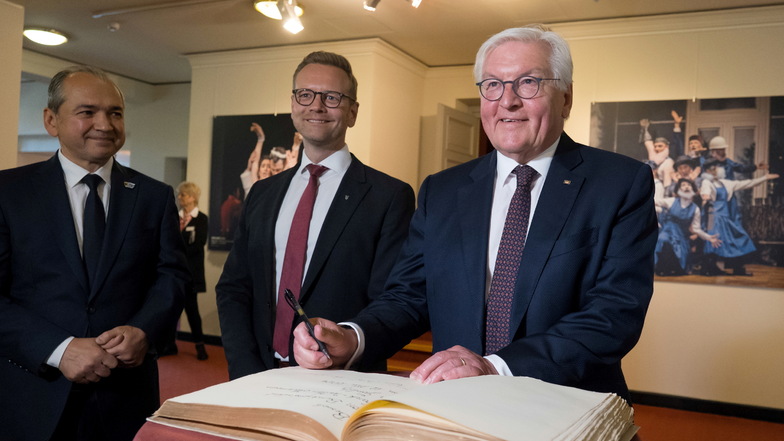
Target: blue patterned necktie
(510,251)
(93,226)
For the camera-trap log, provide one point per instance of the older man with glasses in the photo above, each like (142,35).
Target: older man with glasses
(535,260)
(328,230)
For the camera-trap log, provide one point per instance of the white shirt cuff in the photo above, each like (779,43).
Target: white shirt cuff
(360,343)
(57,355)
(499,364)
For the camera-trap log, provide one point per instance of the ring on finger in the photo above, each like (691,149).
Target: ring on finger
(462,361)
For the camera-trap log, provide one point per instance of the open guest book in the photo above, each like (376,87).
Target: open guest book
(335,405)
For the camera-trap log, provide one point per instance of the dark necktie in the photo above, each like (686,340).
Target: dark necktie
(93,225)
(294,260)
(510,251)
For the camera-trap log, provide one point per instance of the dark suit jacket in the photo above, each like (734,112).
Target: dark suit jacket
(356,248)
(44,294)
(194,249)
(585,278)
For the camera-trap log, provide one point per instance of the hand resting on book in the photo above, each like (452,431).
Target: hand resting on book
(455,362)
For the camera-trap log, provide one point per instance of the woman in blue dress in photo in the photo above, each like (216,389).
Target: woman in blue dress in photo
(680,220)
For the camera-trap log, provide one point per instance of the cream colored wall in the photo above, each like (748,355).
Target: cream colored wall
(259,81)
(700,341)
(11,24)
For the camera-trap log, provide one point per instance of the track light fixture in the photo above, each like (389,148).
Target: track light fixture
(288,13)
(370,5)
(286,10)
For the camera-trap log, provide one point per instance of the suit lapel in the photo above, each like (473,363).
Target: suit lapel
(122,200)
(474,203)
(350,193)
(555,203)
(268,215)
(49,187)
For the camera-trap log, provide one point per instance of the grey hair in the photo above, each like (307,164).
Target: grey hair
(56,96)
(560,55)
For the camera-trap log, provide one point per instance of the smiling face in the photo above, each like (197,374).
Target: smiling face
(520,128)
(89,123)
(323,129)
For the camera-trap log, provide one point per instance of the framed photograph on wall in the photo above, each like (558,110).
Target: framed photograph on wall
(245,148)
(716,166)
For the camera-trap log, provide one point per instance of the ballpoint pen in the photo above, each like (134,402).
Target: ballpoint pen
(298,309)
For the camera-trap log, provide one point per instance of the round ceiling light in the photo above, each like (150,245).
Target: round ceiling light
(48,37)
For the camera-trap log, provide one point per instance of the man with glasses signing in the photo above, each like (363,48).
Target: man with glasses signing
(328,230)
(534,260)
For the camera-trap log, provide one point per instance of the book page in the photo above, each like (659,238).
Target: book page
(506,407)
(329,397)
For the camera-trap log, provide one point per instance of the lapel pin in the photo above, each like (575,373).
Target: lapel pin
(129,184)
(346,196)
(567,182)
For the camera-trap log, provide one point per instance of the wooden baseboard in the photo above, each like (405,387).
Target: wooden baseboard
(768,414)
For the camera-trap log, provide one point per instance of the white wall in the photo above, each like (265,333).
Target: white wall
(701,341)
(11,24)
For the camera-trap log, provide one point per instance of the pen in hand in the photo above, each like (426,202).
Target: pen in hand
(298,309)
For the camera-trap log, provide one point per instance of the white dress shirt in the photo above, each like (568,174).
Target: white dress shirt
(337,164)
(77,196)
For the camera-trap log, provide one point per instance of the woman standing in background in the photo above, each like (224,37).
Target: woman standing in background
(193,226)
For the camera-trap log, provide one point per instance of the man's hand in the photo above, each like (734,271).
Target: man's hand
(126,343)
(85,362)
(341,344)
(455,362)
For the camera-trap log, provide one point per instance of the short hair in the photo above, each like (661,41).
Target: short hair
(56,96)
(662,140)
(329,59)
(560,55)
(189,188)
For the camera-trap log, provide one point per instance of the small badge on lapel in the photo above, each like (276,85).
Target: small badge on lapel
(129,185)
(567,182)
(346,196)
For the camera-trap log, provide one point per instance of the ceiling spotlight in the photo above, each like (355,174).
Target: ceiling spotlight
(289,16)
(370,5)
(270,9)
(48,37)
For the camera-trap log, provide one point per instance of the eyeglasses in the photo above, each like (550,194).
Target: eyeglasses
(525,87)
(331,99)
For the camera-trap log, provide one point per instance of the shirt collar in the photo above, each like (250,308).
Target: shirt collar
(74,173)
(336,162)
(541,163)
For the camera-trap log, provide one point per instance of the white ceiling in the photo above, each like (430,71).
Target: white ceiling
(153,37)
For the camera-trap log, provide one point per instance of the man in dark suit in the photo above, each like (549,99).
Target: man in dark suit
(359,220)
(580,290)
(77,336)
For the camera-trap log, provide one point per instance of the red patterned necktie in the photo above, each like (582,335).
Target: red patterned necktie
(510,251)
(294,260)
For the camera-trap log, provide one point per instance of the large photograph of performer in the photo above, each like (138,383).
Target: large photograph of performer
(716,165)
(245,149)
